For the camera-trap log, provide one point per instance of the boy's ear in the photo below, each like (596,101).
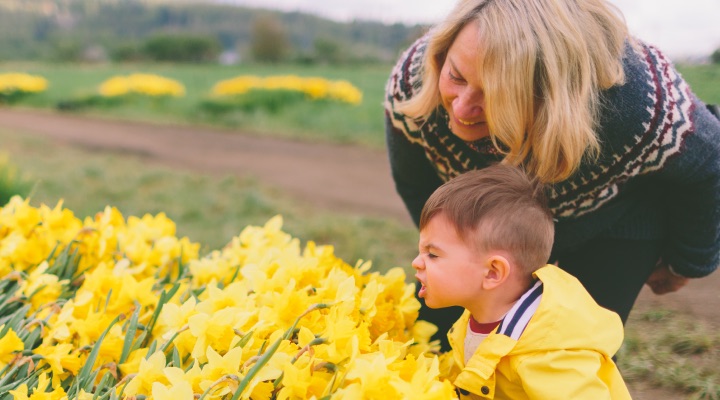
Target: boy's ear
(498,271)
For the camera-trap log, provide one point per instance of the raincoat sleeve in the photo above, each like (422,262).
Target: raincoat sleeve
(571,374)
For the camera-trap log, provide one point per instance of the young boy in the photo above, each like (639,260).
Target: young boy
(529,330)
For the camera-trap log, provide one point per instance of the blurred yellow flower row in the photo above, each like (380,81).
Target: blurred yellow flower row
(159,86)
(144,84)
(314,87)
(111,307)
(22,82)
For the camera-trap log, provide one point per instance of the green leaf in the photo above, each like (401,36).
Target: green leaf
(130,335)
(176,358)
(15,320)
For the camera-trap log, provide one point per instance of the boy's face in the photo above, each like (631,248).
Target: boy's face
(449,270)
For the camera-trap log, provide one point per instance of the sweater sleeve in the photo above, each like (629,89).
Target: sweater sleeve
(658,134)
(415,179)
(692,198)
(414,176)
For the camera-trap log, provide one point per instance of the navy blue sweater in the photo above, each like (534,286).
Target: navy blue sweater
(657,177)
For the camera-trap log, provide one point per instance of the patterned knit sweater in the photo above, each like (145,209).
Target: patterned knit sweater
(658,175)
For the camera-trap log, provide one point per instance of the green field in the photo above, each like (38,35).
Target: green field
(324,121)
(328,121)
(704,80)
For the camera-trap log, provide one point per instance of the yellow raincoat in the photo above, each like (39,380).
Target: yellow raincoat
(565,352)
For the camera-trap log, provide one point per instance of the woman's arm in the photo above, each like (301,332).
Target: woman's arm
(415,178)
(693,199)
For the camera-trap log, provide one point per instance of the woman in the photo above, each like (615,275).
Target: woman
(630,155)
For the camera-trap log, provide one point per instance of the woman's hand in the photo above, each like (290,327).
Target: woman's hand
(663,280)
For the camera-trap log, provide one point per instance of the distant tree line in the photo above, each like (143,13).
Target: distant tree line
(131,30)
(715,57)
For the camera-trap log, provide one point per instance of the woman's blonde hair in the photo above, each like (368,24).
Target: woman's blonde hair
(542,64)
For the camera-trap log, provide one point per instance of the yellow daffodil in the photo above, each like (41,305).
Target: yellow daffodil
(20,393)
(372,374)
(150,371)
(83,395)
(219,367)
(132,364)
(41,288)
(62,358)
(261,391)
(40,392)
(262,308)
(179,390)
(193,376)
(296,382)
(10,344)
(59,326)
(423,383)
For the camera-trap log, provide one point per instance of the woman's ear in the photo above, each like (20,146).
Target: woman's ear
(497,272)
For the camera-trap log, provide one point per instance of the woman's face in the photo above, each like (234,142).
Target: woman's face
(460,87)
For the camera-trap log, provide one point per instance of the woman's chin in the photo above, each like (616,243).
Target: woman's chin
(471,133)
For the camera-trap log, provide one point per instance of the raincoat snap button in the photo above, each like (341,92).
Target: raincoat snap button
(485,390)
(463,392)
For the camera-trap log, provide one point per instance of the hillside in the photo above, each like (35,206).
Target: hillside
(63,29)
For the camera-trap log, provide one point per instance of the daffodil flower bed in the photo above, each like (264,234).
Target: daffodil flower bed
(315,88)
(142,84)
(15,85)
(114,308)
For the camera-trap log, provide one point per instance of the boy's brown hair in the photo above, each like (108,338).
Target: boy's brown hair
(497,208)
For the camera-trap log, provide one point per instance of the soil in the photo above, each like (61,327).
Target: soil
(340,177)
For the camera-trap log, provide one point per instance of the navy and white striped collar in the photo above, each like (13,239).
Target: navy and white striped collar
(515,321)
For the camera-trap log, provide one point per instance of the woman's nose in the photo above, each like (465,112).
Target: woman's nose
(468,104)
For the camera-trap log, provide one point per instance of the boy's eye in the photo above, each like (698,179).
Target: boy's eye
(431,255)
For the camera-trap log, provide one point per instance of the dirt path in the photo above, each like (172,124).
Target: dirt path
(342,178)
(339,177)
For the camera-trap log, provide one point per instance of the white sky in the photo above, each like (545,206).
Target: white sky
(679,27)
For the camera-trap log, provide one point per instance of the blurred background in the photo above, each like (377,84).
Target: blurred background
(80,79)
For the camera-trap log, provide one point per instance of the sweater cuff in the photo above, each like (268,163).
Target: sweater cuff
(672,271)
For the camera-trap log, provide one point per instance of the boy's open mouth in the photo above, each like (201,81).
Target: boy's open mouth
(423,288)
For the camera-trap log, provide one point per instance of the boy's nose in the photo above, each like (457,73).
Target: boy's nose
(417,262)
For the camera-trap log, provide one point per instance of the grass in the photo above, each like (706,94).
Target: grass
(12,182)
(207,209)
(672,351)
(704,81)
(326,121)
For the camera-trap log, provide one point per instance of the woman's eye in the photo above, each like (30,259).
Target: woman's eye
(453,77)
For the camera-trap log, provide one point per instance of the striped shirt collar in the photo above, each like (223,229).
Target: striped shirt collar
(517,319)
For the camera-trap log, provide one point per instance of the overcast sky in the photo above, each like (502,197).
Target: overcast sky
(679,27)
